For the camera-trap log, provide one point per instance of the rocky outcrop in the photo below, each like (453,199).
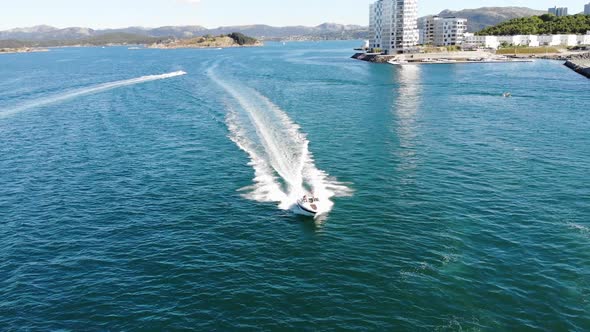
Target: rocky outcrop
(22,50)
(376,58)
(580,64)
(203,42)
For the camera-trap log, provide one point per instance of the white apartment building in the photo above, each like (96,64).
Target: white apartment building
(587,9)
(494,42)
(443,31)
(394,25)
(558,11)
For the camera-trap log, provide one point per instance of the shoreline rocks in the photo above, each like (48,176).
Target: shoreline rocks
(580,64)
(22,50)
(202,42)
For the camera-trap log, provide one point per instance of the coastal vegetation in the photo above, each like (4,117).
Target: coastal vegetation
(119,38)
(440,49)
(480,18)
(21,50)
(123,38)
(242,39)
(540,25)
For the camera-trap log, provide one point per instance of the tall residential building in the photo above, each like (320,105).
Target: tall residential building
(587,9)
(558,11)
(443,31)
(394,25)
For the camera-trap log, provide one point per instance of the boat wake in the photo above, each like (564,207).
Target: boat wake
(86,91)
(284,168)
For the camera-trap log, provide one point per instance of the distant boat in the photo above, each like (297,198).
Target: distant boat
(398,62)
(507,94)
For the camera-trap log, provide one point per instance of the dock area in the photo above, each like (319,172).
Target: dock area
(459,57)
(449,61)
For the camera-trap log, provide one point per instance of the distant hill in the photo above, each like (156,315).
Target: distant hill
(484,17)
(114,38)
(324,31)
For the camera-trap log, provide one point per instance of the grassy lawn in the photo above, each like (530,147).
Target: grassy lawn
(527,50)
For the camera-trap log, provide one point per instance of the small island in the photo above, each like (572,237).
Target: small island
(22,50)
(235,39)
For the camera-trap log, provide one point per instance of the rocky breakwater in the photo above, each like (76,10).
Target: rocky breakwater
(373,57)
(580,64)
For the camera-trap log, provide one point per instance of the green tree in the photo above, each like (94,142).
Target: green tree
(242,39)
(544,24)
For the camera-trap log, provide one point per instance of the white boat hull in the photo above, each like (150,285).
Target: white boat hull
(306,209)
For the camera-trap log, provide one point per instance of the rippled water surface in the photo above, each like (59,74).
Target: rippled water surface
(154,190)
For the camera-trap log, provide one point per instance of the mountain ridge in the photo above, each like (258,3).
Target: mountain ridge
(480,18)
(45,32)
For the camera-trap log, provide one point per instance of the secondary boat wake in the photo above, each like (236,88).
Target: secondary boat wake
(279,153)
(86,91)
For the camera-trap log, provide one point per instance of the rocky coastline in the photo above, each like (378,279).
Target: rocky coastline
(22,50)
(580,64)
(204,42)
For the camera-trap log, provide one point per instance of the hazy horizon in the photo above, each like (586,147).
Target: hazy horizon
(112,14)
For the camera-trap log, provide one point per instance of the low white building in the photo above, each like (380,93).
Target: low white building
(473,42)
(550,40)
(494,42)
(559,40)
(584,39)
(569,40)
(520,40)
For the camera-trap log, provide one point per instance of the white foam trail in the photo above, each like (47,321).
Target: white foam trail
(278,150)
(86,91)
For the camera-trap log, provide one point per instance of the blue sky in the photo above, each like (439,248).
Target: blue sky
(213,13)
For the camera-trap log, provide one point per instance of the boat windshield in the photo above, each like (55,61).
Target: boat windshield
(310,199)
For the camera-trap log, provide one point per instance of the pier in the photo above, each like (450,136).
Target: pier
(460,57)
(449,61)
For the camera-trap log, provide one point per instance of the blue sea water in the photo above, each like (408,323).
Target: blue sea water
(130,201)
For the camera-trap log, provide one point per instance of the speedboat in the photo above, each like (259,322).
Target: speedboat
(308,205)
(398,62)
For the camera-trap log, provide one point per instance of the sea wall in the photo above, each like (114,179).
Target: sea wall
(580,64)
(377,58)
